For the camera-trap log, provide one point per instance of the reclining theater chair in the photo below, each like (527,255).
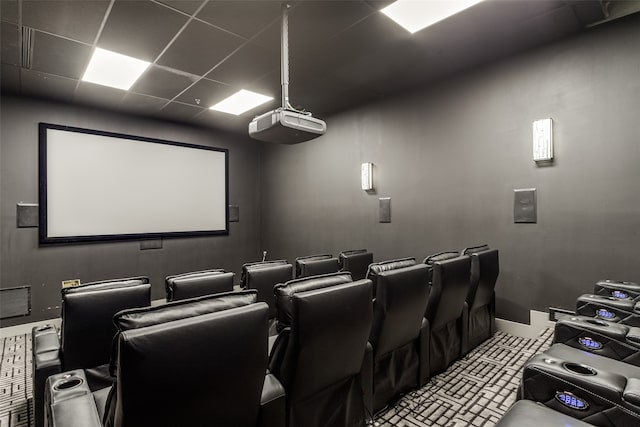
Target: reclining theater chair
(447,311)
(195,362)
(525,413)
(481,298)
(263,277)
(592,388)
(314,265)
(355,262)
(399,335)
(613,301)
(198,283)
(320,355)
(86,335)
(613,340)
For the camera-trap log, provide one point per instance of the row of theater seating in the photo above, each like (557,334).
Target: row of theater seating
(591,373)
(340,353)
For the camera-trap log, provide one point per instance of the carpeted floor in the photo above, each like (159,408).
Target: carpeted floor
(475,391)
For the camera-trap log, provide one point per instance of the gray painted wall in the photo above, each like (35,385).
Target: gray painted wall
(450,157)
(24,262)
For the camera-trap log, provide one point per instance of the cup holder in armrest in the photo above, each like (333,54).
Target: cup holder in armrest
(579,369)
(44,328)
(68,383)
(597,322)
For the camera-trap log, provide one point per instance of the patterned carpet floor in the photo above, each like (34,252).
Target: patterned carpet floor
(475,391)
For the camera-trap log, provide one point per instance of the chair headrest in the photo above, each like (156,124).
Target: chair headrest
(440,256)
(285,291)
(142,317)
(103,285)
(259,265)
(475,249)
(393,264)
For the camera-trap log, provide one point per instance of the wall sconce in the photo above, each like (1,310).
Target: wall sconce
(542,140)
(366,173)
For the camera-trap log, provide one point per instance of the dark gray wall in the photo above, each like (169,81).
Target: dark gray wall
(451,156)
(24,262)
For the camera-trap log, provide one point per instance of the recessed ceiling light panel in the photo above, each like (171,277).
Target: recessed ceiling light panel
(112,69)
(240,102)
(414,15)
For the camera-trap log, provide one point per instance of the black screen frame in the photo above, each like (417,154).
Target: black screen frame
(44,238)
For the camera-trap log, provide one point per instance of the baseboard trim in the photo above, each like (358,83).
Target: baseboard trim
(26,328)
(538,322)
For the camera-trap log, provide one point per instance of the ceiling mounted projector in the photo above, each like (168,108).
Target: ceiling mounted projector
(286,125)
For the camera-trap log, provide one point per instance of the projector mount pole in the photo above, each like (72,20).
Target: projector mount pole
(284,70)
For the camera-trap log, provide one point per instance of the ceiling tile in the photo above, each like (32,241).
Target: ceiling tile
(46,85)
(312,23)
(141,104)
(162,83)
(79,20)
(187,6)
(10,78)
(98,95)
(125,32)
(198,48)
(246,65)
(208,92)
(244,18)
(55,55)
(228,122)
(10,37)
(178,111)
(9,10)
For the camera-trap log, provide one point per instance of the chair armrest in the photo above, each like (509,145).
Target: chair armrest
(69,401)
(278,350)
(423,353)
(366,378)
(272,403)
(46,362)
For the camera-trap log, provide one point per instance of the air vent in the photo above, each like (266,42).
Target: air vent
(27,47)
(15,302)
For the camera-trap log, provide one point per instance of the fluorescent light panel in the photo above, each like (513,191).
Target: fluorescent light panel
(240,102)
(414,15)
(112,69)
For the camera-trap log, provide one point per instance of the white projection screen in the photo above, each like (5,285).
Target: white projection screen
(106,186)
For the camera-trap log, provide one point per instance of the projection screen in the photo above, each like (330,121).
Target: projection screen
(98,185)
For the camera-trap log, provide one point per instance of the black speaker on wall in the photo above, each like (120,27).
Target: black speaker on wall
(385,209)
(525,209)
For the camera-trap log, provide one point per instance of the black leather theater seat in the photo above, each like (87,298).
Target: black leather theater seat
(447,311)
(314,265)
(526,413)
(592,388)
(620,310)
(356,262)
(197,362)
(263,277)
(481,298)
(608,339)
(86,333)
(399,335)
(320,355)
(617,289)
(198,283)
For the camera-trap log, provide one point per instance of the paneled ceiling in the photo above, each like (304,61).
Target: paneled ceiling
(343,53)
